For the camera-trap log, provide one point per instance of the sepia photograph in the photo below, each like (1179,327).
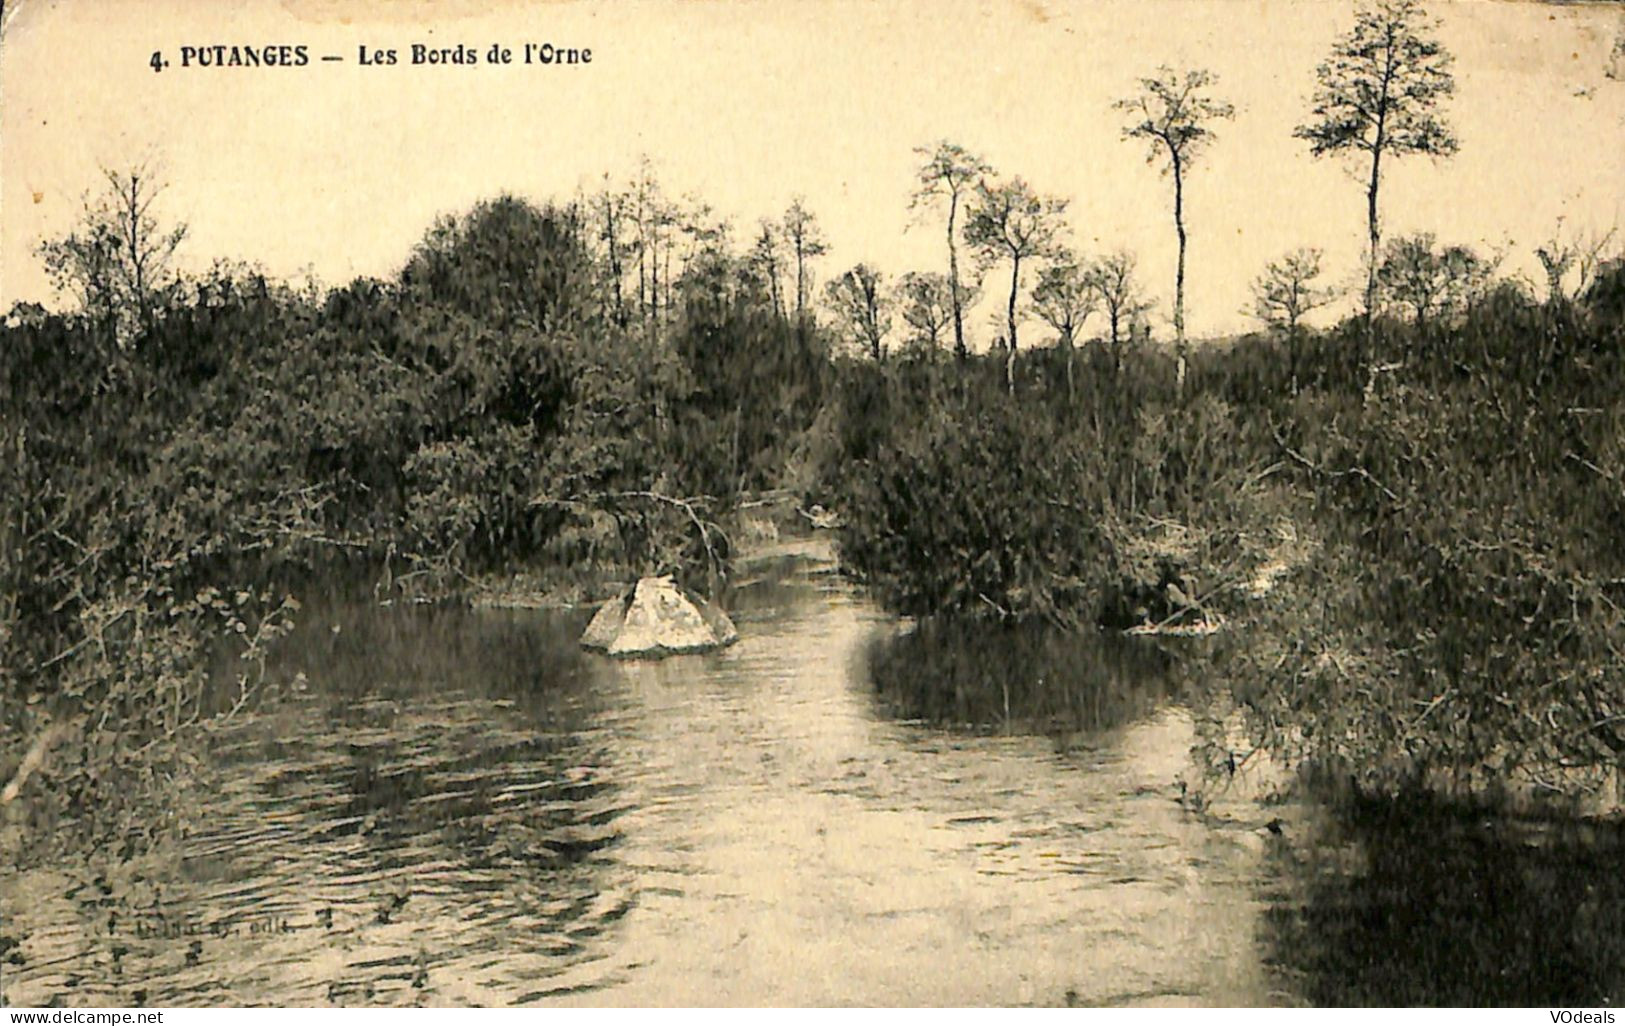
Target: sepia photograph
(827,503)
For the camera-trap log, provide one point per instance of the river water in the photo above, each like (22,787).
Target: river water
(461,807)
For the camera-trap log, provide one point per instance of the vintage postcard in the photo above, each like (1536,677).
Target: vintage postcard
(924,503)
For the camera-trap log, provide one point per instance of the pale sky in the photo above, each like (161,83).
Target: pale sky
(339,169)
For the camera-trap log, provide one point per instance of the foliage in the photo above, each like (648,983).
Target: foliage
(1573,257)
(949,174)
(975,509)
(1463,622)
(116,263)
(1063,508)
(1412,527)
(1379,94)
(926,304)
(1112,277)
(862,308)
(1380,89)
(1175,116)
(1064,297)
(1008,221)
(493,407)
(1287,291)
(1415,547)
(1429,282)
(806,241)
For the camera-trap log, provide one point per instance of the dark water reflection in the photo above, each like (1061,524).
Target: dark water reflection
(1027,677)
(1406,903)
(463,808)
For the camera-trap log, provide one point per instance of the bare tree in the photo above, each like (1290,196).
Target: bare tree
(1009,221)
(1064,298)
(1173,113)
(1575,257)
(1379,95)
(925,302)
(858,301)
(806,242)
(1113,280)
(948,174)
(655,223)
(116,263)
(614,209)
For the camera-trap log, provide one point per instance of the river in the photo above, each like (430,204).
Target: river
(461,807)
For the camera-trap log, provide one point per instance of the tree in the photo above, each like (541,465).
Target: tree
(858,302)
(1112,278)
(1379,95)
(613,207)
(763,261)
(1286,292)
(1429,282)
(1174,115)
(1011,222)
(806,242)
(949,172)
(654,217)
(708,266)
(1064,298)
(1566,256)
(926,306)
(117,261)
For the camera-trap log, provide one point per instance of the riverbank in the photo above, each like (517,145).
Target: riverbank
(840,787)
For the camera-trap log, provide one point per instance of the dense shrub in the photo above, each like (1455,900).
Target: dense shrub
(977,509)
(1415,529)
(479,414)
(1463,621)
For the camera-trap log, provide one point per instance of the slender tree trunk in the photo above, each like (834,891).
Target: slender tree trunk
(960,351)
(871,299)
(1010,307)
(1010,317)
(1179,278)
(668,281)
(801,286)
(613,232)
(654,284)
(138,282)
(1375,228)
(1066,344)
(1375,232)
(1292,349)
(1179,270)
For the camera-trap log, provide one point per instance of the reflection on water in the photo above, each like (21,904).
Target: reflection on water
(430,823)
(464,808)
(1028,676)
(1402,903)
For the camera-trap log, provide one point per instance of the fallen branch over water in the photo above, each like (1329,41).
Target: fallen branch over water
(690,506)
